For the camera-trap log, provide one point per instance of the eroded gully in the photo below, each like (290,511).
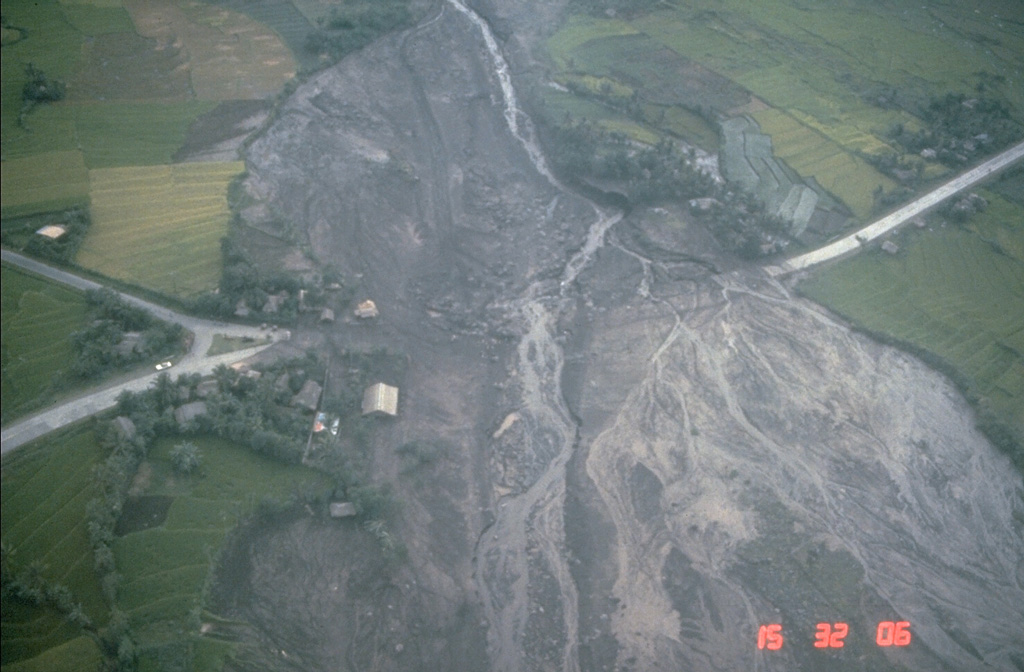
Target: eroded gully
(525,546)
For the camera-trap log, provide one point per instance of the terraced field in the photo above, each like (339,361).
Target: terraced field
(807,151)
(38,320)
(957,293)
(166,565)
(171,217)
(44,494)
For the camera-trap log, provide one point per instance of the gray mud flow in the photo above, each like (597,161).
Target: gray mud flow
(646,459)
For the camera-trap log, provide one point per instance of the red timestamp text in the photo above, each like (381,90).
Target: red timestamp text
(833,635)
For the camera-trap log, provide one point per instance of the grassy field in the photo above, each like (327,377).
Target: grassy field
(80,654)
(955,292)
(166,566)
(38,319)
(171,218)
(132,133)
(45,490)
(43,183)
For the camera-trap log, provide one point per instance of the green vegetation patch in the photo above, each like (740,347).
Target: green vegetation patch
(80,654)
(956,296)
(43,183)
(166,568)
(52,45)
(134,134)
(46,487)
(223,344)
(38,319)
(172,218)
(93,19)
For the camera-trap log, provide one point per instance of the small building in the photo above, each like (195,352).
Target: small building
(890,247)
(327,315)
(186,413)
(241,309)
(367,309)
(380,399)
(52,231)
(308,397)
(342,509)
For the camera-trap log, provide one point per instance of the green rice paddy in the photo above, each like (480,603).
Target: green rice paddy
(43,182)
(46,487)
(166,566)
(38,319)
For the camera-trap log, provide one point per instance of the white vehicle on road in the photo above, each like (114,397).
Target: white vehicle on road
(164,365)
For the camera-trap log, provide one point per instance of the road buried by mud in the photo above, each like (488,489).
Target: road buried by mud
(648,452)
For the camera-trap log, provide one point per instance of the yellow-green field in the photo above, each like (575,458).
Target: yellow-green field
(159,226)
(43,183)
(808,152)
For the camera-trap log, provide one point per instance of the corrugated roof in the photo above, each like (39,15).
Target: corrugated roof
(380,398)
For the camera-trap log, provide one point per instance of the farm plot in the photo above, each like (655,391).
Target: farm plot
(80,654)
(43,183)
(287,19)
(955,292)
(841,173)
(166,566)
(46,487)
(134,134)
(127,66)
(231,57)
(38,320)
(171,218)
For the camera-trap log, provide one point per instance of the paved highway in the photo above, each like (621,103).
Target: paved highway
(95,401)
(855,241)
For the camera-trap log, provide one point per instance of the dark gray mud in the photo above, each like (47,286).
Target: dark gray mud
(650,450)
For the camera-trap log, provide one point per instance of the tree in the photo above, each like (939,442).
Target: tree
(185,457)
(40,89)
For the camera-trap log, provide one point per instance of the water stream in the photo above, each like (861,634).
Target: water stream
(528,536)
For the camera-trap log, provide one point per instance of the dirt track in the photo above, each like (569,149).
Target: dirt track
(647,457)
